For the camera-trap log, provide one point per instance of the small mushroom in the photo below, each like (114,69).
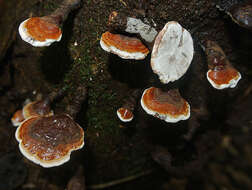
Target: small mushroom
(123,46)
(43,31)
(172,52)
(221,73)
(168,106)
(124,23)
(49,140)
(125,113)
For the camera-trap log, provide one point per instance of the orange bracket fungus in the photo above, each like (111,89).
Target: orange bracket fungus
(221,73)
(123,23)
(125,113)
(43,31)
(168,106)
(49,141)
(239,11)
(172,52)
(123,46)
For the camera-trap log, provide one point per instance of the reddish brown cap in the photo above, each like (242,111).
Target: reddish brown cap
(37,108)
(123,46)
(49,141)
(168,106)
(38,32)
(221,73)
(17,118)
(124,114)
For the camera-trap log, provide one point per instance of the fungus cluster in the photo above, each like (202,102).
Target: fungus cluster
(48,140)
(171,56)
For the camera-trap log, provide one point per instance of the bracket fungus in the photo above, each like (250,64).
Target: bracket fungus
(168,106)
(221,73)
(43,31)
(172,52)
(123,46)
(125,113)
(49,140)
(240,11)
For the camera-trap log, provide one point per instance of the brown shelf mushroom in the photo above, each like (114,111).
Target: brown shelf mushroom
(125,113)
(49,141)
(168,106)
(221,73)
(123,46)
(43,31)
(172,52)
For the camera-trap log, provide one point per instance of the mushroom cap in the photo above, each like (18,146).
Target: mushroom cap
(123,46)
(49,141)
(17,118)
(124,114)
(221,73)
(168,106)
(37,108)
(224,77)
(172,52)
(38,32)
